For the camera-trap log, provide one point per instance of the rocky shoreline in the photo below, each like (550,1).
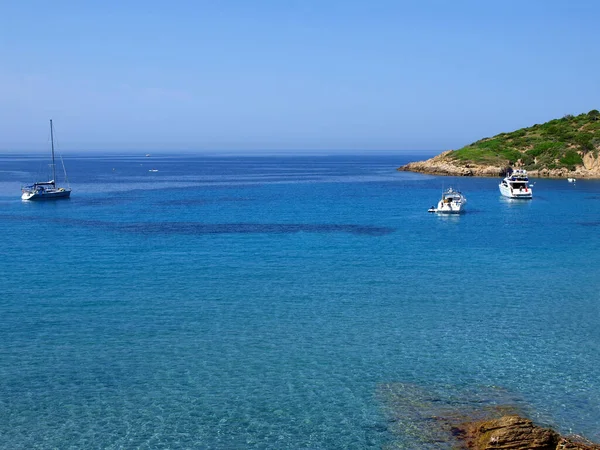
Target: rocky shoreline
(444,164)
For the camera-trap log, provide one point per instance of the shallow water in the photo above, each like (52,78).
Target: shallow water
(262,302)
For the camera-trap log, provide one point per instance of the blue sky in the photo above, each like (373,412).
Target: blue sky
(290,75)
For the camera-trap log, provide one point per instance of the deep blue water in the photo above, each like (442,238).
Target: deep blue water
(262,302)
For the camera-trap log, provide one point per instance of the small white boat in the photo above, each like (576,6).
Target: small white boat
(153,170)
(571,180)
(47,190)
(516,185)
(452,202)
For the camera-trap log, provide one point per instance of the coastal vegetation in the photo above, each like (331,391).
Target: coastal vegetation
(554,144)
(563,147)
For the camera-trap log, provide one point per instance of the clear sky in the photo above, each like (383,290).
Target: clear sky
(291,75)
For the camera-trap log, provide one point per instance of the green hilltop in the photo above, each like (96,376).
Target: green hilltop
(559,143)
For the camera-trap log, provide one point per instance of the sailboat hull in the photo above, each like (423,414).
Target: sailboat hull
(48,194)
(47,190)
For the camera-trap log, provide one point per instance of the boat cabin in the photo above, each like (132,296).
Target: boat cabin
(518,185)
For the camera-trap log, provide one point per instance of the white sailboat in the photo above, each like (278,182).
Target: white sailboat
(47,190)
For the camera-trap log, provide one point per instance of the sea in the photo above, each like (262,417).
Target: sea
(288,302)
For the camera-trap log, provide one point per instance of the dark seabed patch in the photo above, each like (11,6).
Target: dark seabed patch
(196,228)
(192,228)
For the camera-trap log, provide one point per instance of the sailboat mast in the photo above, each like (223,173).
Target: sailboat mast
(53,165)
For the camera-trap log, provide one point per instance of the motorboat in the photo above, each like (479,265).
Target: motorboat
(452,202)
(47,190)
(571,180)
(516,185)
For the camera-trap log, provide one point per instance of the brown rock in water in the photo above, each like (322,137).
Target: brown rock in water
(517,433)
(446,417)
(510,432)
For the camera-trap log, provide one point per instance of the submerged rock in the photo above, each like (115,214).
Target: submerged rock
(482,418)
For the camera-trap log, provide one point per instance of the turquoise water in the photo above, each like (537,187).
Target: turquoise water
(262,302)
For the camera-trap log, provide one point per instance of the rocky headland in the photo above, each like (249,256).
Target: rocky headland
(444,164)
(561,148)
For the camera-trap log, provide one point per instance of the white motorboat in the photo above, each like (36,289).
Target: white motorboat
(516,185)
(452,202)
(47,190)
(571,180)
